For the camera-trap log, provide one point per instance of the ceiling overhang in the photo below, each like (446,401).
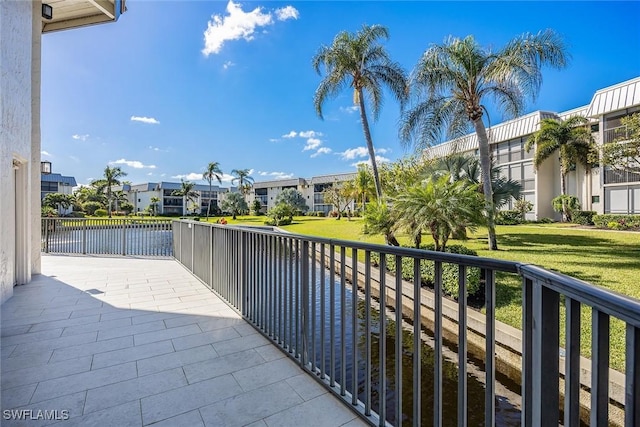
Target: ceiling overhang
(69,14)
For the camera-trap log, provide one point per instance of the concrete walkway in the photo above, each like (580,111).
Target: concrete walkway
(137,342)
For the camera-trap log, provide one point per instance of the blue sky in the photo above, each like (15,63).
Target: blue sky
(174,85)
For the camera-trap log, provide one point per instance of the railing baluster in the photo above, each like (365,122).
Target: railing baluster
(632,377)
(354,327)
(399,335)
(323,368)
(572,363)
(367,332)
(599,368)
(462,346)
(417,343)
(332,316)
(437,338)
(382,345)
(490,349)
(343,326)
(313,307)
(305,260)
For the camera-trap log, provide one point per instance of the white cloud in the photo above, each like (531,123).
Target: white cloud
(80,137)
(45,153)
(287,12)
(349,110)
(150,174)
(291,134)
(149,120)
(353,153)
(312,144)
(238,24)
(321,150)
(383,150)
(274,140)
(133,164)
(309,134)
(192,176)
(75,159)
(228,64)
(276,175)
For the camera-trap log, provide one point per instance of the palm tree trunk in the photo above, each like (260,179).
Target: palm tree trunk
(485,166)
(109,198)
(563,190)
(367,137)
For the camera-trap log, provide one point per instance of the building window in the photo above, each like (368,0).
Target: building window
(48,186)
(595,199)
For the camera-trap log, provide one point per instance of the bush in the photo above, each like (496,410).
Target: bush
(100,212)
(617,222)
(75,214)
(277,222)
(320,214)
(583,217)
(449,271)
(544,220)
(508,218)
(91,207)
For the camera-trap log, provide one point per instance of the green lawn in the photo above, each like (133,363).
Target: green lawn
(605,258)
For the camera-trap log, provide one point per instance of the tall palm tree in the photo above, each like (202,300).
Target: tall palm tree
(187,192)
(154,204)
(459,76)
(359,61)
(212,172)
(112,177)
(244,180)
(571,138)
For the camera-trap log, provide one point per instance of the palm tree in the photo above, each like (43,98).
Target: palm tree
(459,76)
(439,205)
(212,172)
(244,180)
(364,186)
(571,138)
(358,60)
(187,193)
(112,177)
(154,204)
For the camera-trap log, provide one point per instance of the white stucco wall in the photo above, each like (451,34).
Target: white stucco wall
(16,35)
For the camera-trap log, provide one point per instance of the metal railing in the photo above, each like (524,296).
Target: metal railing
(317,300)
(107,236)
(616,134)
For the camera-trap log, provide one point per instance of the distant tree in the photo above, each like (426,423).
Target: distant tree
(624,152)
(281,214)
(153,207)
(111,178)
(360,62)
(294,199)
(364,185)
(340,196)
(256,207)
(570,138)
(244,180)
(187,193)
(567,205)
(126,207)
(234,204)
(522,206)
(57,201)
(212,172)
(459,76)
(91,207)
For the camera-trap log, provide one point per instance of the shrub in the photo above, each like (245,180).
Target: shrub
(617,222)
(449,271)
(48,211)
(544,220)
(100,212)
(567,205)
(333,214)
(77,214)
(320,214)
(91,207)
(508,218)
(583,217)
(522,206)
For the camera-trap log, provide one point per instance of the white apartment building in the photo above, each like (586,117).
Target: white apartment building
(603,190)
(141,195)
(22,24)
(311,189)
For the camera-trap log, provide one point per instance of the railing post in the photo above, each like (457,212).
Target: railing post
(304,276)
(124,237)
(490,352)
(545,354)
(527,350)
(84,236)
(632,383)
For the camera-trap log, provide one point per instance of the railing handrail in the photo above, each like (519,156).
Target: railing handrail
(614,304)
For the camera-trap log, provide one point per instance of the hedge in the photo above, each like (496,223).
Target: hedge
(617,222)
(449,271)
(583,217)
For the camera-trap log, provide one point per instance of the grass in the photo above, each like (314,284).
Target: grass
(603,258)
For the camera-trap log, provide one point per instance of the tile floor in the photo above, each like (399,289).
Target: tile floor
(136,342)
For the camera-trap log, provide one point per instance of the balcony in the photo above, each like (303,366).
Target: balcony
(131,342)
(618,133)
(341,312)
